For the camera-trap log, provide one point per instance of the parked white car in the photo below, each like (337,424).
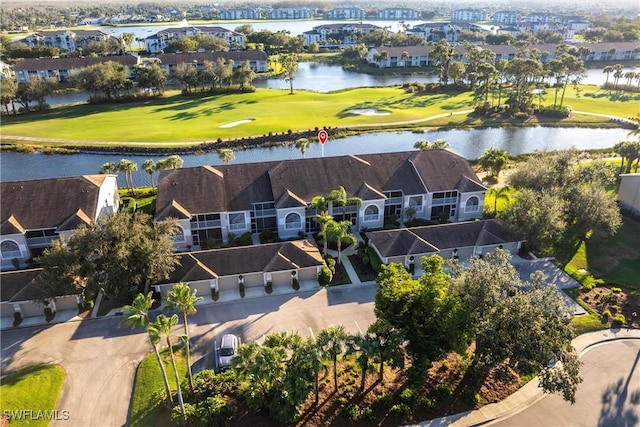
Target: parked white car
(228,345)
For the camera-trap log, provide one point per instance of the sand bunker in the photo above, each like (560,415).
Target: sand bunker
(236,123)
(370,112)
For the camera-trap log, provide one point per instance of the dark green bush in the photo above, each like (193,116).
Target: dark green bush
(366,414)
(409,396)
(616,290)
(326,276)
(383,401)
(401,411)
(427,403)
(618,321)
(352,412)
(443,391)
(554,111)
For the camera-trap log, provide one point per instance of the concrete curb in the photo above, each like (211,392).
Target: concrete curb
(530,393)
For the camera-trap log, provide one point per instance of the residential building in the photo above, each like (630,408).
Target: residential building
(20,295)
(291,13)
(469,15)
(159,41)
(36,212)
(212,202)
(398,13)
(258,60)
(406,56)
(346,13)
(223,270)
(235,14)
(436,31)
(63,68)
(338,35)
(65,40)
(456,240)
(506,17)
(629,192)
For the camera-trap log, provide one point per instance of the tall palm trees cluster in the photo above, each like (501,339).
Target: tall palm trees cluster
(127,167)
(618,73)
(182,299)
(331,230)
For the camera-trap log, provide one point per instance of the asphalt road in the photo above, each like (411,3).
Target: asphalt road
(100,359)
(609,395)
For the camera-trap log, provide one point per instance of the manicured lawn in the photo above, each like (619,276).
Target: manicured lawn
(614,259)
(178,120)
(198,118)
(143,411)
(37,389)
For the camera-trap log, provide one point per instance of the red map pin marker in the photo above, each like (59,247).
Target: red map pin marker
(322,136)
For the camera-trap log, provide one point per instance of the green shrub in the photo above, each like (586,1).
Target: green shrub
(443,391)
(611,298)
(401,411)
(409,396)
(427,403)
(616,290)
(618,321)
(352,412)
(555,111)
(591,282)
(326,276)
(376,264)
(614,309)
(606,314)
(520,115)
(383,401)
(366,414)
(474,398)
(365,260)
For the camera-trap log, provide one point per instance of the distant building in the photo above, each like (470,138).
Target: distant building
(235,14)
(63,68)
(66,40)
(506,17)
(159,41)
(345,13)
(258,60)
(398,13)
(469,15)
(343,34)
(291,13)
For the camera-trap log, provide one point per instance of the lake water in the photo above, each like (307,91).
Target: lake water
(469,143)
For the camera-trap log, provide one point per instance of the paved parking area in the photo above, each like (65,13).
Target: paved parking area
(555,276)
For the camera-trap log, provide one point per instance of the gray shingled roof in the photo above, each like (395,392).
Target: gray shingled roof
(290,182)
(427,239)
(206,265)
(48,203)
(71,63)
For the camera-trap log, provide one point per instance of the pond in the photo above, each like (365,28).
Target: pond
(469,143)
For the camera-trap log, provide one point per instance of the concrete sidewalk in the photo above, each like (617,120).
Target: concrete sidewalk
(530,393)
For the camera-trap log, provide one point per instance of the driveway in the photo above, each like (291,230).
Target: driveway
(100,359)
(609,395)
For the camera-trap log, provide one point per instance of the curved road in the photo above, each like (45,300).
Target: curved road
(609,395)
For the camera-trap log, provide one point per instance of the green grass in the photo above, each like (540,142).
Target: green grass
(178,119)
(143,411)
(612,258)
(36,388)
(590,321)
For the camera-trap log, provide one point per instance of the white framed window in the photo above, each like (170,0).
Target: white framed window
(10,249)
(415,202)
(179,236)
(371,213)
(472,205)
(293,221)
(236,221)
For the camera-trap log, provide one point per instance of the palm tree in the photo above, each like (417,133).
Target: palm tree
(617,74)
(340,233)
(310,355)
(438,144)
(404,57)
(302,144)
(608,69)
(323,219)
(162,326)
(261,367)
(128,167)
(149,166)
(181,298)
(364,347)
(388,342)
(137,315)
(499,193)
(226,155)
(108,168)
(338,197)
(332,342)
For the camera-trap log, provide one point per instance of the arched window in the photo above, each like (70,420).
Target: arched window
(10,249)
(371,213)
(473,204)
(293,221)
(179,236)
